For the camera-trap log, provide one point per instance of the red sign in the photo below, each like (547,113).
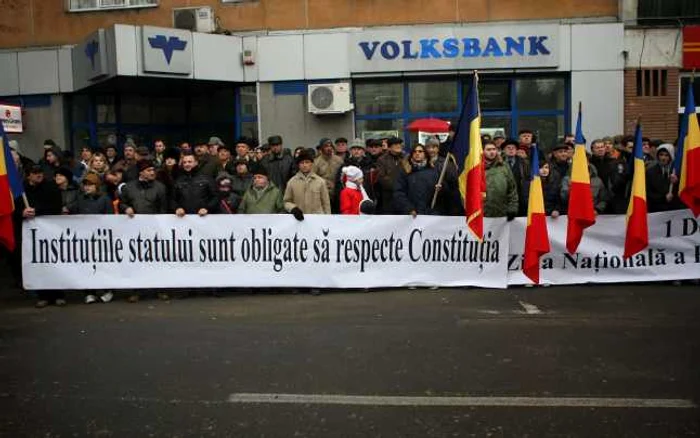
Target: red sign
(691,47)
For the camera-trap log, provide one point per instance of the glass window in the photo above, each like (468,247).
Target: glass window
(379,128)
(81,137)
(684,90)
(540,94)
(494,95)
(249,101)
(200,109)
(168,110)
(135,109)
(223,106)
(80,108)
(379,98)
(496,125)
(249,129)
(547,129)
(106,112)
(432,97)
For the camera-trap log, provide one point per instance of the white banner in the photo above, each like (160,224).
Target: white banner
(163,251)
(673,252)
(11,118)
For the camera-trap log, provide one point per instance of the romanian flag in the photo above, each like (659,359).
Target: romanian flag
(580,211)
(10,188)
(687,159)
(536,235)
(637,234)
(466,147)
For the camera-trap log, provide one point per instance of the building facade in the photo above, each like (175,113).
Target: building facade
(97,71)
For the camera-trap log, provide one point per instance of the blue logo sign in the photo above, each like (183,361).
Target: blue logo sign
(91,50)
(453,47)
(167,45)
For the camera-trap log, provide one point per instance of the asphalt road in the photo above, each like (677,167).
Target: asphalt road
(175,368)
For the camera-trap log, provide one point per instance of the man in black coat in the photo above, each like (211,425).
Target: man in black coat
(659,178)
(43,198)
(279,163)
(193,192)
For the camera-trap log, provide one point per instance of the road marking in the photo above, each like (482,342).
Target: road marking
(530,309)
(376,400)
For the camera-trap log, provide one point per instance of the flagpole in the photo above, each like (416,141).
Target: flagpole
(442,177)
(26,201)
(680,142)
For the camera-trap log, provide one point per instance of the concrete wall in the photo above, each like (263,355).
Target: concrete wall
(41,123)
(287,115)
(40,23)
(597,78)
(653,48)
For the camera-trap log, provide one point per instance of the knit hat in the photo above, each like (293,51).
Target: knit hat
(223,176)
(357,143)
(144,164)
(668,147)
(351,173)
(324,141)
(66,172)
(93,179)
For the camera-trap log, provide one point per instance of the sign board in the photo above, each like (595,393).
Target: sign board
(454,48)
(11,116)
(166,50)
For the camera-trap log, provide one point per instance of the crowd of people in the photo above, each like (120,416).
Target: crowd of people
(376,176)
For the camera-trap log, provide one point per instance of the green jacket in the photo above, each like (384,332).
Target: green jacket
(501,191)
(266,201)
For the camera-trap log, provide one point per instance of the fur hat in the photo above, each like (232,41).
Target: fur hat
(93,179)
(259,170)
(144,164)
(304,156)
(66,172)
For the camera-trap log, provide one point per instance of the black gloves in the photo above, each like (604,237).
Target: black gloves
(367,207)
(510,216)
(298,214)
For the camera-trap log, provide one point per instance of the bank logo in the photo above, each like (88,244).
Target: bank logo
(167,45)
(91,50)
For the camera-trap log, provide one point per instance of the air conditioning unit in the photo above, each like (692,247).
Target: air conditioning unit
(200,19)
(329,98)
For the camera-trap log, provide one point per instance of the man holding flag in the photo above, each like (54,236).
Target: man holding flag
(467,150)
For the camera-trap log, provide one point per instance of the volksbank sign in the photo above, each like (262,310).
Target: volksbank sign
(455,48)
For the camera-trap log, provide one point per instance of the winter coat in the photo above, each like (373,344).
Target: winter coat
(145,197)
(44,198)
(265,201)
(451,199)
(658,183)
(327,168)
(414,190)
(501,191)
(93,204)
(193,191)
(69,197)
(131,173)
(309,193)
(208,165)
(388,169)
(227,203)
(279,167)
(350,199)
(241,183)
(521,174)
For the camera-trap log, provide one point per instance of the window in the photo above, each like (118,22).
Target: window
(379,98)
(432,97)
(651,83)
(665,12)
(685,83)
(100,5)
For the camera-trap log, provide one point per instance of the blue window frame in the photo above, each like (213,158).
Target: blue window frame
(537,102)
